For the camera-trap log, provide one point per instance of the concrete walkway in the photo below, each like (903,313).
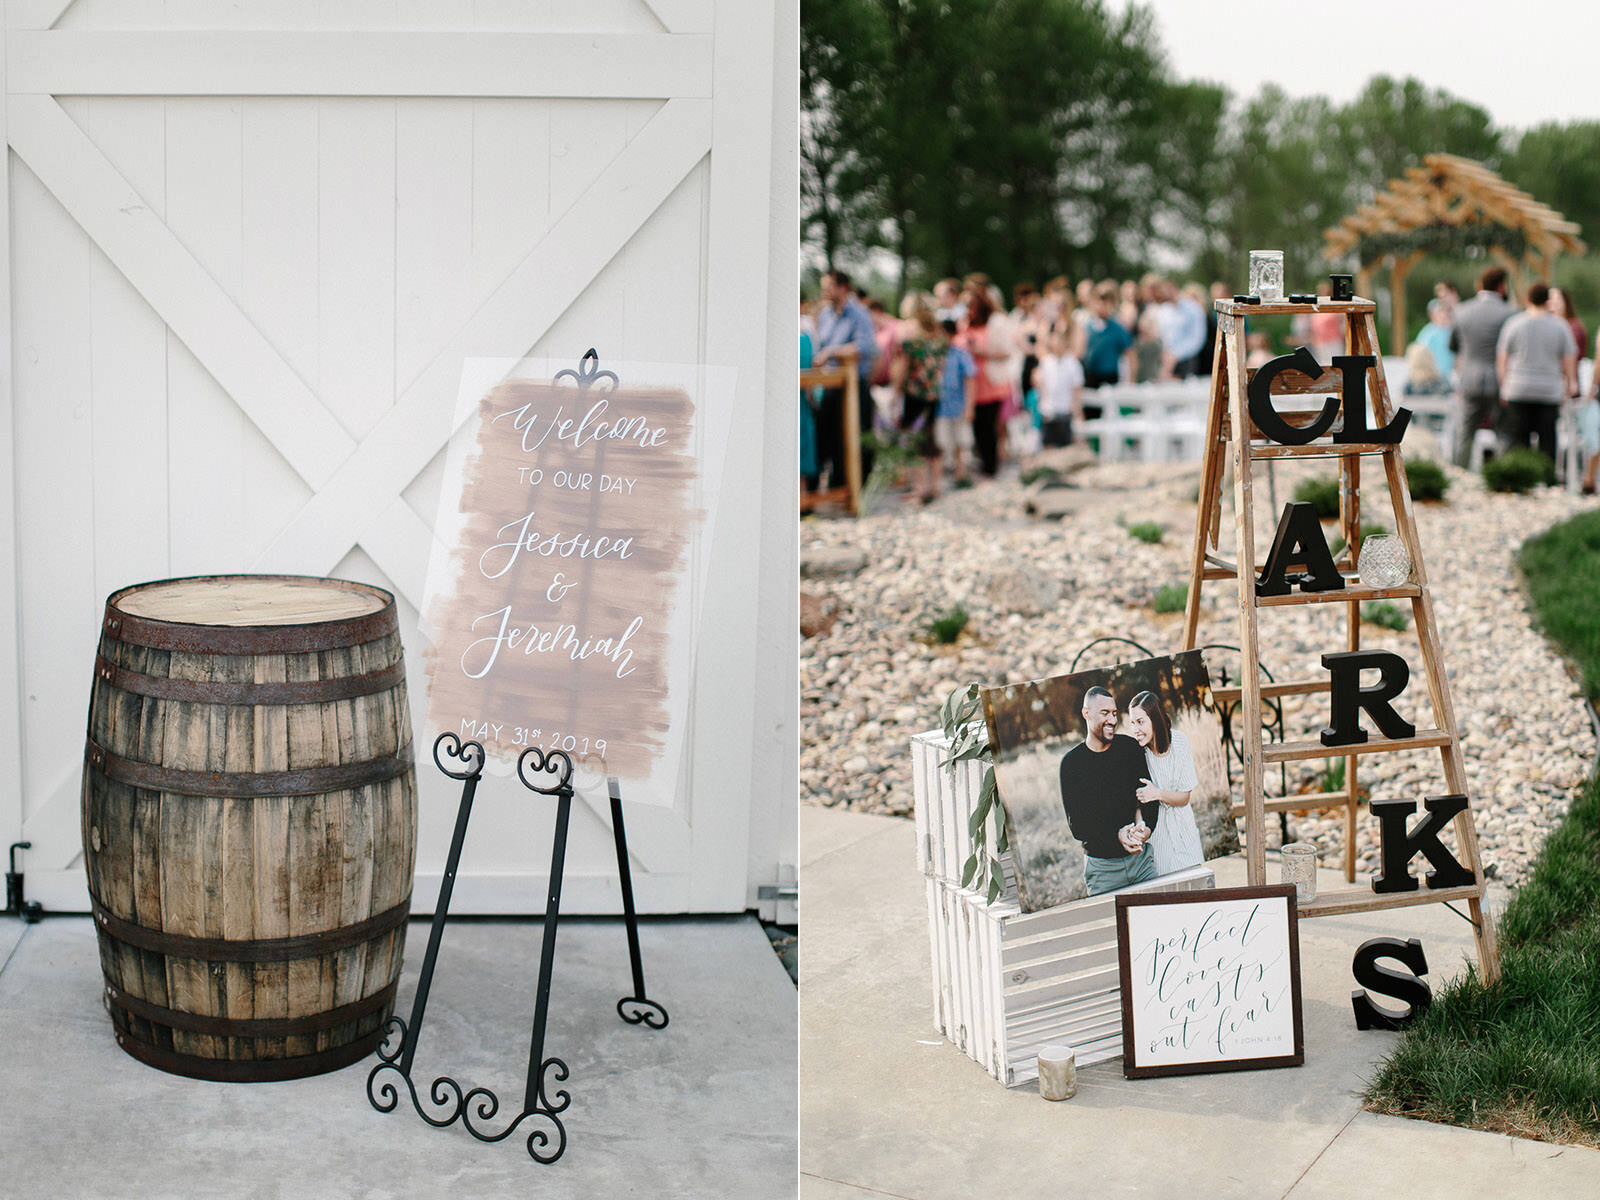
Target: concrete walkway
(702,1108)
(890,1109)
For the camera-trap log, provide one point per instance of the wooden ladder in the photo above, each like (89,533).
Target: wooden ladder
(1232,438)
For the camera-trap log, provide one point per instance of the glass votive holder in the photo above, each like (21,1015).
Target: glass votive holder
(1058,1072)
(1298,865)
(1266,275)
(1384,562)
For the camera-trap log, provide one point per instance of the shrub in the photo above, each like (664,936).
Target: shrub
(1517,470)
(947,626)
(1171,597)
(1147,531)
(1385,615)
(1331,779)
(890,457)
(1426,480)
(1321,494)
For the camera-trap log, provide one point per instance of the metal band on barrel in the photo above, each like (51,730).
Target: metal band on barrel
(259,1070)
(260,950)
(277,691)
(252,1027)
(240,785)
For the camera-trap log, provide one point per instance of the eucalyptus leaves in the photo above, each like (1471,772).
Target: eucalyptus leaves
(968,735)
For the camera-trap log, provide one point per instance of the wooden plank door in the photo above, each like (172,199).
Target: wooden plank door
(251,246)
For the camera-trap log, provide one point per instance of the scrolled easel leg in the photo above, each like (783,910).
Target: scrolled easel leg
(636,1009)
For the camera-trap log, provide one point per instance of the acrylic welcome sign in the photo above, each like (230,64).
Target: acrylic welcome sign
(562,592)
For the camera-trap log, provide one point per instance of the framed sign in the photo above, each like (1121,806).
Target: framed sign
(1210,981)
(560,604)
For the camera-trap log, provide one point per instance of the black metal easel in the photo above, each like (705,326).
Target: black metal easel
(473,1108)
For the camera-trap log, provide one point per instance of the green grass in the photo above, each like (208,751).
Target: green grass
(947,626)
(1385,615)
(1522,1055)
(1171,598)
(1147,531)
(1562,569)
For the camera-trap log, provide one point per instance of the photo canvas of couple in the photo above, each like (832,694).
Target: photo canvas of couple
(1110,778)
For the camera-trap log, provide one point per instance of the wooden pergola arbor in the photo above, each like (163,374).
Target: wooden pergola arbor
(1447,206)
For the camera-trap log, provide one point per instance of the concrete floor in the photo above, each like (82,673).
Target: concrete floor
(704,1108)
(890,1109)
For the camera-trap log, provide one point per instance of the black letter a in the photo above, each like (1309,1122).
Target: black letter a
(1299,544)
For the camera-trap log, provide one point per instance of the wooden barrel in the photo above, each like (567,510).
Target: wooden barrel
(249,822)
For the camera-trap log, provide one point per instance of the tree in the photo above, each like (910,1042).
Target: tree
(1029,138)
(963,147)
(1131,145)
(840,52)
(1282,183)
(1293,167)
(1190,130)
(1560,166)
(1393,123)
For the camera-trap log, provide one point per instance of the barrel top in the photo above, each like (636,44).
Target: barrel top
(249,614)
(251,600)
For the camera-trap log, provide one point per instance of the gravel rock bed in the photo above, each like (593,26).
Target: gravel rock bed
(1039,589)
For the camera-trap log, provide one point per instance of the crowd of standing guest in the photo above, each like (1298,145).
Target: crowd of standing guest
(1513,366)
(969,382)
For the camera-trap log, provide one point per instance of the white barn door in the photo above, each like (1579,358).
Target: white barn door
(250,246)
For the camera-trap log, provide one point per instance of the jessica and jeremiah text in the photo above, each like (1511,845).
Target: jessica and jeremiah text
(480,656)
(498,558)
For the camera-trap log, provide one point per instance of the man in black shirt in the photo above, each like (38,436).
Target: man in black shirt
(1099,780)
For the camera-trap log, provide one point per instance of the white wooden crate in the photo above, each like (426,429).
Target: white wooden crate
(1006,982)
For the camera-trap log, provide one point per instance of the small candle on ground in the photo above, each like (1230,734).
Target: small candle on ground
(1058,1072)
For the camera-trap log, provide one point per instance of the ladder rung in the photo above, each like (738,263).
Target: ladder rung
(1275,804)
(1350,308)
(1271,691)
(1354,900)
(1313,800)
(1261,450)
(1218,567)
(1423,739)
(1352,593)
